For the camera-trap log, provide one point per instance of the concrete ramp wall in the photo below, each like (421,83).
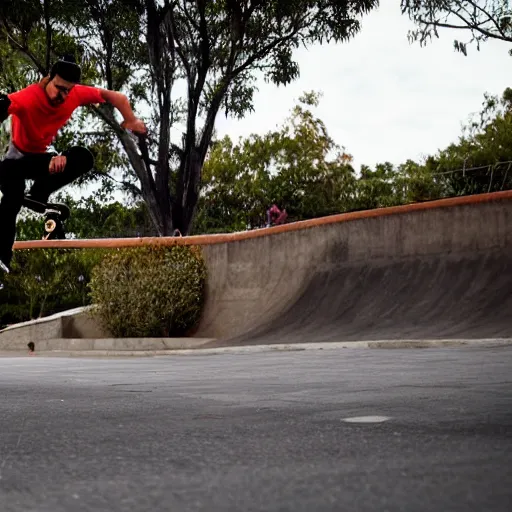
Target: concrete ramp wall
(433,270)
(438,270)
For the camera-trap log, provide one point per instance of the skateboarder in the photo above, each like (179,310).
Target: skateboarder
(38,112)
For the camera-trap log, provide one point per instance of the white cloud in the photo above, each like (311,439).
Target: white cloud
(385,99)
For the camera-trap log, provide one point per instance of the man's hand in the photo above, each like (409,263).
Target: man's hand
(135,125)
(57,164)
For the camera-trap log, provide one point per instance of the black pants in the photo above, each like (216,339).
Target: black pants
(13,174)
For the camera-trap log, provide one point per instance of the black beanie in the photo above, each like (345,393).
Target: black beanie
(67,70)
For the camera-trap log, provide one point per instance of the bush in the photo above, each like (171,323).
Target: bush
(46,281)
(422,186)
(149,291)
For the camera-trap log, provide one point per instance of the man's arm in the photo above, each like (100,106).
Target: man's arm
(121,102)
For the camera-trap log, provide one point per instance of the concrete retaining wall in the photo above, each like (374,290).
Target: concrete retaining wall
(404,270)
(256,282)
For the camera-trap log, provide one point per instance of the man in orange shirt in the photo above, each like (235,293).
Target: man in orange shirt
(38,112)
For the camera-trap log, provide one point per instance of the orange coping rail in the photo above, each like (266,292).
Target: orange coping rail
(244,235)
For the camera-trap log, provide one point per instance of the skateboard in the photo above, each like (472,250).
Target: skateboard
(55,214)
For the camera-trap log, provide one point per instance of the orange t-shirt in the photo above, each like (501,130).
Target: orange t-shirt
(35,122)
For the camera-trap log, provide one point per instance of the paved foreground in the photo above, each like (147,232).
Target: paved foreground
(262,431)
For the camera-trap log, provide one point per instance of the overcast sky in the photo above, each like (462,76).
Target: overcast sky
(385,99)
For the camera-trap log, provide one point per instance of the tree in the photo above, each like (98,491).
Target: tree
(15,73)
(299,167)
(481,160)
(92,219)
(483,19)
(215,49)
(378,188)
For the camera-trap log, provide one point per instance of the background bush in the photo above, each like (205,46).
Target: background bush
(149,291)
(46,281)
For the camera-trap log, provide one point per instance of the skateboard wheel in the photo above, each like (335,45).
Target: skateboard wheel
(50,225)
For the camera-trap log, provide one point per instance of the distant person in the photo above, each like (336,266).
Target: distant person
(275,216)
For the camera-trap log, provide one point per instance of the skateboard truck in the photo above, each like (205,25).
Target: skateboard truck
(55,215)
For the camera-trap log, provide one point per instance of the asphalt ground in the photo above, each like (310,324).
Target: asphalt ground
(266,431)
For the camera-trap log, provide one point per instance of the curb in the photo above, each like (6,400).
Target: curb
(294,347)
(101,345)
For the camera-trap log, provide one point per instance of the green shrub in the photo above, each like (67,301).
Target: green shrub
(46,281)
(422,187)
(149,291)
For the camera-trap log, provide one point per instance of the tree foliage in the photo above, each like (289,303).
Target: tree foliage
(93,219)
(302,169)
(481,159)
(149,49)
(44,282)
(482,19)
(298,167)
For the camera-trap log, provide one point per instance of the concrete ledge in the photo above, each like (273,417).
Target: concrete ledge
(18,335)
(47,319)
(151,347)
(109,344)
(73,323)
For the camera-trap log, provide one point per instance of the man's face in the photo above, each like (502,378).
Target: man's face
(57,90)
